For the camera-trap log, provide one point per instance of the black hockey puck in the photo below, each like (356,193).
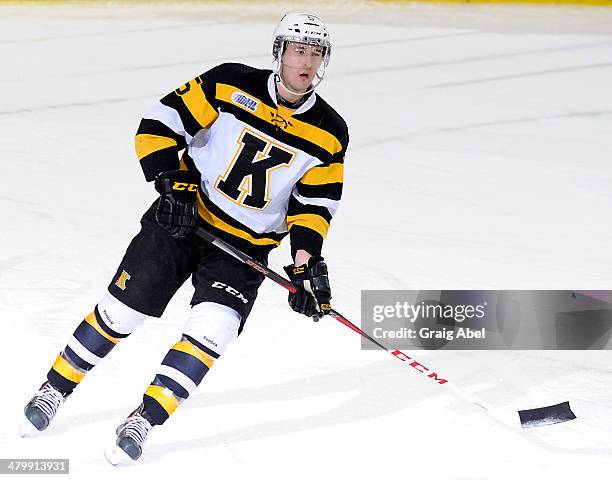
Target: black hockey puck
(538,417)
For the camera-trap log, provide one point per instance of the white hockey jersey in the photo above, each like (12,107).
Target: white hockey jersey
(266,170)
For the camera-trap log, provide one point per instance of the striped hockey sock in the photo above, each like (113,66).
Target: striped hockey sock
(179,374)
(90,343)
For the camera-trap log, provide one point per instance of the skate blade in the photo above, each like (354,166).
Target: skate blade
(117,457)
(27,430)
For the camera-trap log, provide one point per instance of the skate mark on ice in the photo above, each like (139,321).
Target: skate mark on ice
(114,33)
(501,78)
(461,61)
(257,56)
(540,118)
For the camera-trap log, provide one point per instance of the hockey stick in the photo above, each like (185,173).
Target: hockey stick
(528,418)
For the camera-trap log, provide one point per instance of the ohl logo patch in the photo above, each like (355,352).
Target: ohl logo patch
(122,280)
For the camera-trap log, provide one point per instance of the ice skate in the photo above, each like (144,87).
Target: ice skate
(41,409)
(131,435)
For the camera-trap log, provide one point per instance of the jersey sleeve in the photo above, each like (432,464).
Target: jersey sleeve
(313,203)
(171,123)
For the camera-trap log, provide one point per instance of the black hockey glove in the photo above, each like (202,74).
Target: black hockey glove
(314,294)
(177,208)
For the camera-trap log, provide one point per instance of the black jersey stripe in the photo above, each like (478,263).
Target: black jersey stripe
(149,126)
(277,132)
(303,238)
(215,210)
(332,191)
(296,207)
(217,218)
(294,125)
(191,124)
(260,252)
(160,161)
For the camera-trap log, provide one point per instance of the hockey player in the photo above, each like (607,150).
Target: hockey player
(263,158)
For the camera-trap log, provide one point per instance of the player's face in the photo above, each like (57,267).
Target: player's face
(300,63)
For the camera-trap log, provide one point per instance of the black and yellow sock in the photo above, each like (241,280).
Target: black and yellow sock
(90,343)
(179,374)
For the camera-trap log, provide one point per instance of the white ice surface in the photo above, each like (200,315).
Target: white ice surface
(481,140)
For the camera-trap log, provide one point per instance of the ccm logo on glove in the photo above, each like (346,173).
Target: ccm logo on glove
(190,187)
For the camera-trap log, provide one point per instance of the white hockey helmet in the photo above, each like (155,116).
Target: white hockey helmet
(301,28)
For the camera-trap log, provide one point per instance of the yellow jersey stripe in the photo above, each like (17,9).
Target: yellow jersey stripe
(198,105)
(164,397)
(93,321)
(67,371)
(188,347)
(333,173)
(216,222)
(308,132)
(309,220)
(284,111)
(147,144)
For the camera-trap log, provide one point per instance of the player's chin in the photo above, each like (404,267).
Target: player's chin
(299,87)
(304,83)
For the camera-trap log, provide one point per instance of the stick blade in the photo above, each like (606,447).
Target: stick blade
(539,417)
